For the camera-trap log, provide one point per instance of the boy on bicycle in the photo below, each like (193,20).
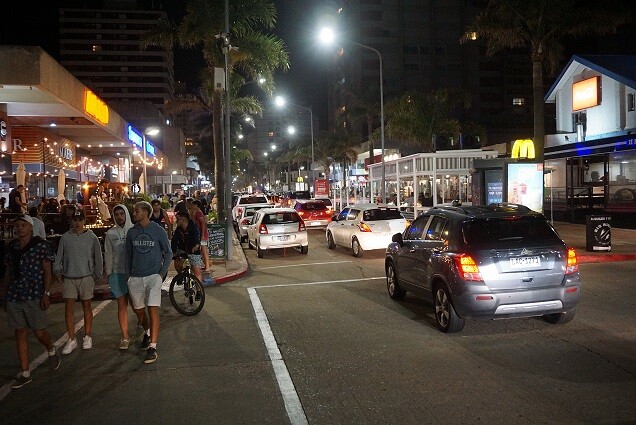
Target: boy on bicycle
(187,239)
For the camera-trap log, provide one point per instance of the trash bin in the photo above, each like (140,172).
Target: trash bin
(598,233)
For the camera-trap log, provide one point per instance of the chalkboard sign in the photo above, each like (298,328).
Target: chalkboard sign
(216,241)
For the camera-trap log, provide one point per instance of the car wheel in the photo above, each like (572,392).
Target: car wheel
(304,249)
(392,285)
(259,252)
(331,244)
(357,249)
(559,318)
(447,319)
(243,239)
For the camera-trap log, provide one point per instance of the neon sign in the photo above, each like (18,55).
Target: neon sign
(135,137)
(95,107)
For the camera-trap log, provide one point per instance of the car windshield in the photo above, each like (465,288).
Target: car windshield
(253,200)
(509,230)
(382,214)
(313,206)
(281,218)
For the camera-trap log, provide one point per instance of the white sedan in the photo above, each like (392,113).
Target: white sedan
(273,228)
(364,227)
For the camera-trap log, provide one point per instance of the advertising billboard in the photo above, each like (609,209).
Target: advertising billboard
(494,186)
(585,94)
(525,185)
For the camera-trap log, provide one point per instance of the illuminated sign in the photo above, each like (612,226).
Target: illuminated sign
(135,137)
(585,94)
(95,107)
(523,148)
(150,149)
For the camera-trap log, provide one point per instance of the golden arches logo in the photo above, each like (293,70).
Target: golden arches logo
(523,148)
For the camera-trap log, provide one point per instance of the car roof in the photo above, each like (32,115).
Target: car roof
(367,206)
(486,211)
(276,210)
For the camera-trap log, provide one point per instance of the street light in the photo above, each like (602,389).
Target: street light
(280,102)
(327,36)
(151,131)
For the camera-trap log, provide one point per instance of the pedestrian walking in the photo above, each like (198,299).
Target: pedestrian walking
(28,279)
(115,267)
(196,213)
(148,256)
(78,266)
(160,215)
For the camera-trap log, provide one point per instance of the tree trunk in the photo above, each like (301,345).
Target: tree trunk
(219,168)
(538,110)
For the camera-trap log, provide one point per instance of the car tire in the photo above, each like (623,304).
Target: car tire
(304,249)
(259,252)
(331,244)
(243,239)
(445,315)
(357,249)
(392,285)
(560,318)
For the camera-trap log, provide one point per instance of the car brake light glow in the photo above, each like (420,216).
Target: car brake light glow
(246,221)
(364,227)
(573,263)
(467,268)
(262,229)
(239,211)
(301,213)
(301,226)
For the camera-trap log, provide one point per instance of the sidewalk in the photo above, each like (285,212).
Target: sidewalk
(623,249)
(222,271)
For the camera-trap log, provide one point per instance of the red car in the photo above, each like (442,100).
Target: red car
(314,213)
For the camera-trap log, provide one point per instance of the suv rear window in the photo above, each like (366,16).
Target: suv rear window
(382,214)
(509,230)
(300,194)
(281,218)
(253,200)
(313,206)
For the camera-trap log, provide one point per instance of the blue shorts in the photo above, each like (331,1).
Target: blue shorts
(118,283)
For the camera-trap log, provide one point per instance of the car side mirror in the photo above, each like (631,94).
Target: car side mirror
(398,239)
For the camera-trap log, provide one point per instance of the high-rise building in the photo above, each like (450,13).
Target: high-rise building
(419,44)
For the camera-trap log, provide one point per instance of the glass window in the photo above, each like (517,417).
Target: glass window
(281,218)
(509,231)
(382,214)
(353,214)
(436,229)
(416,229)
(343,214)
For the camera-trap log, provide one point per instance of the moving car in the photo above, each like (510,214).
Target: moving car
(273,228)
(314,213)
(497,261)
(364,227)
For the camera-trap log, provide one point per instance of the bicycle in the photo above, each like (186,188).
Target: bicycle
(192,300)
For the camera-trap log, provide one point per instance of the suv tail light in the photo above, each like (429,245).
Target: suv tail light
(573,263)
(239,211)
(467,268)
(262,229)
(301,213)
(364,227)
(301,226)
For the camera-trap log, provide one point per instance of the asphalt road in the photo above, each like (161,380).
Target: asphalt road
(315,339)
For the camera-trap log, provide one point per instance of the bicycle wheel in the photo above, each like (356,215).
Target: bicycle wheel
(186,294)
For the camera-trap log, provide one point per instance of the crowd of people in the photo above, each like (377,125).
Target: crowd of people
(134,261)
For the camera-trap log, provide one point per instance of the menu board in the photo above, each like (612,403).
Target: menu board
(216,241)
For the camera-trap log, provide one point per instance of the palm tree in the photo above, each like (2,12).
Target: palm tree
(541,26)
(258,53)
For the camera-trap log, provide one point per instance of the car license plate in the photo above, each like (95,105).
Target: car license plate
(520,262)
(314,223)
(284,238)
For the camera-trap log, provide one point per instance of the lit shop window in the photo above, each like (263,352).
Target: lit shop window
(518,101)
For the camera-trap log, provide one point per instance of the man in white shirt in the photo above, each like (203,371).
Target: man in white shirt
(38,225)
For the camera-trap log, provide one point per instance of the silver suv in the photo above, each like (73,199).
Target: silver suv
(496,261)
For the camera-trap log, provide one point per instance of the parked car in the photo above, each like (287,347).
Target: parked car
(243,200)
(273,228)
(314,213)
(364,227)
(496,261)
(290,198)
(245,219)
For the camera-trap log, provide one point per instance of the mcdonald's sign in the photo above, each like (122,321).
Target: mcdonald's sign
(523,148)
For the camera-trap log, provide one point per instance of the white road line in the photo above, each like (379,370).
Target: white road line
(301,265)
(319,283)
(293,406)
(6,388)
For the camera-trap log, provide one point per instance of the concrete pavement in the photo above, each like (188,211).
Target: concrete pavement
(623,249)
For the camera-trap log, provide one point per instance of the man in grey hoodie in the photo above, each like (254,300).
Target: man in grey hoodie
(148,256)
(115,266)
(78,265)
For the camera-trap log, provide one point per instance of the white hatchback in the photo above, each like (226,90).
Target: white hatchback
(273,228)
(365,227)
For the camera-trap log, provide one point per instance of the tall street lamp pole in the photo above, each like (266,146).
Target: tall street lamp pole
(327,35)
(280,101)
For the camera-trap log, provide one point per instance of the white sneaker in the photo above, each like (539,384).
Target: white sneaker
(70,345)
(87,342)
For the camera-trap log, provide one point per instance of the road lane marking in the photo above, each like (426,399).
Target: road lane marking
(301,265)
(293,406)
(324,282)
(6,388)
